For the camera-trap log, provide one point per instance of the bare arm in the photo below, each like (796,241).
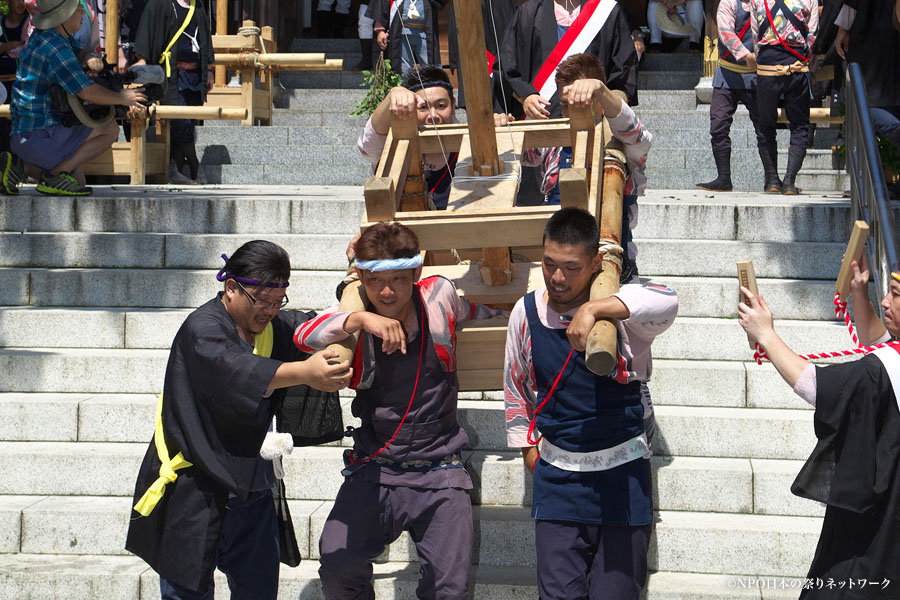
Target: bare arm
(531,455)
(869,327)
(399,101)
(100,95)
(758,322)
(314,372)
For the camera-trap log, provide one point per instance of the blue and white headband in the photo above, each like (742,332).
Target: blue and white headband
(392,264)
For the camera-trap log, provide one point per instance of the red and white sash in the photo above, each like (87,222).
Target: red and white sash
(395,6)
(890,358)
(575,40)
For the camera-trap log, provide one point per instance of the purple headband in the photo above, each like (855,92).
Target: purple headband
(224,275)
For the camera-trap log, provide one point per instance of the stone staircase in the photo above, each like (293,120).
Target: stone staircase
(314,138)
(93,290)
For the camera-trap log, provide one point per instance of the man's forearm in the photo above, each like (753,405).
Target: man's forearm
(100,95)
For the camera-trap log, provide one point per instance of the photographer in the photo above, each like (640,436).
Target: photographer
(51,152)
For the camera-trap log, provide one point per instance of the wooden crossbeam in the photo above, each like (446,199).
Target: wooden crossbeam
(439,231)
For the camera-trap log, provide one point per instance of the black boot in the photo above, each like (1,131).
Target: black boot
(796,155)
(323,24)
(340,23)
(768,154)
(365,63)
(722,183)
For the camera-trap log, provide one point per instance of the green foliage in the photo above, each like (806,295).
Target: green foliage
(380,80)
(4,7)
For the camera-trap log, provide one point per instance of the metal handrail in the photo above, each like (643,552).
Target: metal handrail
(869,196)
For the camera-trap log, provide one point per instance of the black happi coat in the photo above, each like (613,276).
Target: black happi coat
(380,10)
(215,414)
(853,469)
(532,35)
(158,26)
(875,45)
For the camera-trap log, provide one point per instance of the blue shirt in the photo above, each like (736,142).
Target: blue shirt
(48,58)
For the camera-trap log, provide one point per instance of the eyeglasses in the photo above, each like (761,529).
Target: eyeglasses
(262,303)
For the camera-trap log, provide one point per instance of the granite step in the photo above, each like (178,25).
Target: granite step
(662,257)
(810,181)
(142,288)
(43,576)
(683,541)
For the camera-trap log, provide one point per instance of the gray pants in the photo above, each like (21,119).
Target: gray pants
(367,517)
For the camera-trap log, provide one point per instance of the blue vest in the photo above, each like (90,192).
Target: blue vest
(729,79)
(586,413)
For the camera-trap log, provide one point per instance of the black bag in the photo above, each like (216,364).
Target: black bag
(290,552)
(311,416)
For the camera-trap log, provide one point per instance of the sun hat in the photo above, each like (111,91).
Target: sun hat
(53,12)
(674,25)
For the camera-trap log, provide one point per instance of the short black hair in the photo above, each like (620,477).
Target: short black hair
(573,227)
(426,76)
(260,260)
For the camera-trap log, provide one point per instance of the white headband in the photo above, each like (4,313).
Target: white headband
(393,264)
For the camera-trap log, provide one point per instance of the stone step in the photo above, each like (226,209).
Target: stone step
(699,296)
(720,485)
(698,138)
(666,100)
(663,257)
(810,181)
(688,337)
(43,576)
(281,156)
(208,209)
(664,213)
(142,287)
(355,173)
(683,541)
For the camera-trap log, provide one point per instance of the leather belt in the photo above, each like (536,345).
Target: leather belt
(187,66)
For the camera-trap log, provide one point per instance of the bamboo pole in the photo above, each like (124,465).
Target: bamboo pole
(221,29)
(352,300)
(600,354)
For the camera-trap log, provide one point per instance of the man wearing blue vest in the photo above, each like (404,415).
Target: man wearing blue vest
(592,488)
(733,82)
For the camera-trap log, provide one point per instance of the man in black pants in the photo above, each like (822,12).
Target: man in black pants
(783,51)
(734,81)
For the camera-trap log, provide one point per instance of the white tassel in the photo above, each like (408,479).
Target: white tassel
(276,444)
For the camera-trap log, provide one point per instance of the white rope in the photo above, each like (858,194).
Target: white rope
(610,245)
(500,75)
(412,56)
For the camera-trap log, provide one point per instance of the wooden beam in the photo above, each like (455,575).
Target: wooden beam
(477,82)
(854,251)
(248,85)
(221,32)
(410,184)
(138,135)
(469,284)
(380,199)
(112,32)
(573,187)
(496,267)
(441,231)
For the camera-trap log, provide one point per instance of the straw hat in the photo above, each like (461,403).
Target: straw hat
(53,12)
(673,25)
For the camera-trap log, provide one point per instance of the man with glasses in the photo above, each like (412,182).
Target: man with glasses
(203,496)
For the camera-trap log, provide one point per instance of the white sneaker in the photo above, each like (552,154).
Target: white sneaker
(235,80)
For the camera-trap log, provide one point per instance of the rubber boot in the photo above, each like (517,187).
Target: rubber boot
(768,154)
(323,24)
(795,161)
(722,183)
(340,23)
(365,47)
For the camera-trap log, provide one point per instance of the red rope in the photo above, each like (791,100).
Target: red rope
(528,438)
(840,311)
(423,339)
(778,35)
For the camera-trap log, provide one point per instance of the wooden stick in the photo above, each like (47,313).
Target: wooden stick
(221,29)
(747,278)
(854,251)
(476,79)
(602,342)
(352,300)
(112,32)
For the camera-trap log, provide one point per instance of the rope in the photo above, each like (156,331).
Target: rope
(840,311)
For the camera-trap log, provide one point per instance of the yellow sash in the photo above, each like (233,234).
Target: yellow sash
(167,470)
(736,67)
(167,54)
